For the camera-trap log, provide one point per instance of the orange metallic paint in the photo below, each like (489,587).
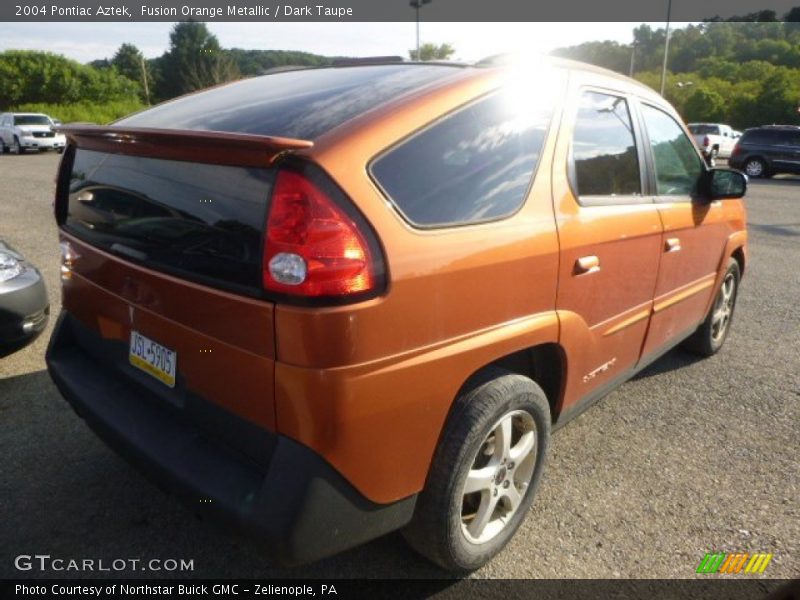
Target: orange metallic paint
(369,385)
(188,318)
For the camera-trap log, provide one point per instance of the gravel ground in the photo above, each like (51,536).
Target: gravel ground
(689,457)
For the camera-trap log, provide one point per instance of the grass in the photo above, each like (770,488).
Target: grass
(86,112)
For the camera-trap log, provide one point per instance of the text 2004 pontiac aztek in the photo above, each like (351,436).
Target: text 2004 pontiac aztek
(336,302)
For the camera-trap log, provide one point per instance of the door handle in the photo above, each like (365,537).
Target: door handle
(587,264)
(672,245)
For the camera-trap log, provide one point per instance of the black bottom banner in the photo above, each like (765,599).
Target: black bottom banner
(457,589)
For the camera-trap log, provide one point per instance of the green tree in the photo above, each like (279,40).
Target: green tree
(130,62)
(705,106)
(194,61)
(31,76)
(610,55)
(779,99)
(256,62)
(432,52)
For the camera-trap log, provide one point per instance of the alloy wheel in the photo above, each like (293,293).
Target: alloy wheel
(723,308)
(499,477)
(754,168)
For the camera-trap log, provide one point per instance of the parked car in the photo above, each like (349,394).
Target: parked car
(29,131)
(715,140)
(24,308)
(768,150)
(391,284)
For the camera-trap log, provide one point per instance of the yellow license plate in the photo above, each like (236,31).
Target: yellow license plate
(153,358)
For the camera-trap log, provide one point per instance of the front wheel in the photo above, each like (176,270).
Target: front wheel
(484,474)
(15,146)
(711,335)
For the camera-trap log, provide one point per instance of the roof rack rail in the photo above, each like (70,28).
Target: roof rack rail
(496,60)
(366,60)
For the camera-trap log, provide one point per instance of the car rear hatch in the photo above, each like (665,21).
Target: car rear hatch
(162,235)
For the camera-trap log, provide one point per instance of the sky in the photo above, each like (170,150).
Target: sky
(89,41)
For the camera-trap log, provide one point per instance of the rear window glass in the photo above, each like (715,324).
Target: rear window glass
(299,104)
(472,166)
(199,221)
(704,129)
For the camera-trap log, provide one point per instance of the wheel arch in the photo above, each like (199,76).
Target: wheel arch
(545,364)
(739,255)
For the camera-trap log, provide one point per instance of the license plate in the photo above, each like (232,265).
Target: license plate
(153,358)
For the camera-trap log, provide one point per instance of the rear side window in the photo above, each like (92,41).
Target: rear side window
(474,165)
(761,136)
(198,221)
(604,149)
(788,138)
(677,165)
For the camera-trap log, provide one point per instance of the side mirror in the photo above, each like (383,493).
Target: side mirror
(723,184)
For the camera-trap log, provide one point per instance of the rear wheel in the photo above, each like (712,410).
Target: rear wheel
(711,335)
(484,475)
(755,167)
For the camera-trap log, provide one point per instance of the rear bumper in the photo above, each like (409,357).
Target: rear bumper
(24,310)
(293,500)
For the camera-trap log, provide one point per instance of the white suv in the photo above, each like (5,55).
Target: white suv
(29,131)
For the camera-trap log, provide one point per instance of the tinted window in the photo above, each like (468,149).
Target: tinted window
(677,164)
(300,104)
(474,165)
(762,136)
(603,147)
(787,138)
(201,221)
(704,129)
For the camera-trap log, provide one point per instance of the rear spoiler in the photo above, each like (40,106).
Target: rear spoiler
(215,147)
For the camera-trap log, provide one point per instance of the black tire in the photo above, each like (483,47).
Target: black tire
(755,168)
(15,147)
(60,150)
(3,147)
(437,530)
(708,339)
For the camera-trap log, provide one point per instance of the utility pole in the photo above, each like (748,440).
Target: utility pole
(666,49)
(633,53)
(144,79)
(416,5)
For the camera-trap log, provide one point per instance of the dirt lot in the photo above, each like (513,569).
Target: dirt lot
(691,456)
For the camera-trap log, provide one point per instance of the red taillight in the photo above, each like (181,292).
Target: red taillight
(736,150)
(706,141)
(313,247)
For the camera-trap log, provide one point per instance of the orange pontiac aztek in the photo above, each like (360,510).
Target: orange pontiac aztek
(326,304)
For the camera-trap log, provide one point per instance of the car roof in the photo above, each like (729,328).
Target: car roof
(299,103)
(307,103)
